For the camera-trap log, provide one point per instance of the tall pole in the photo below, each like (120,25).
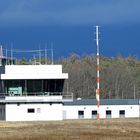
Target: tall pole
(52,51)
(6,55)
(46,57)
(12,54)
(98,73)
(39,55)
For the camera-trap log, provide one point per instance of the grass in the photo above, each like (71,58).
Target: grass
(108,129)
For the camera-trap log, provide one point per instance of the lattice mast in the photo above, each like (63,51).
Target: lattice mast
(98,73)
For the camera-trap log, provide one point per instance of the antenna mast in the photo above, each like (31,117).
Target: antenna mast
(98,73)
(39,55)
(6,55)
(52,51)
(46,57)
(11,53)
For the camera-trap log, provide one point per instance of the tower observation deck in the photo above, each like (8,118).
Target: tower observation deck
(33,82)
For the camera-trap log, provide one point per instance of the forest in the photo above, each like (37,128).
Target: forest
(119,76)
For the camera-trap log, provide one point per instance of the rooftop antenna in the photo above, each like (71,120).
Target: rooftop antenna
(1,55)
(98,73)
(11,53)
(52,51)
(39,55)
(6,55)
(34,58)
(46,58)
(1,52)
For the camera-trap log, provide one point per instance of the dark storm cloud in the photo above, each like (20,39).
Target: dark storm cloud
(68,12)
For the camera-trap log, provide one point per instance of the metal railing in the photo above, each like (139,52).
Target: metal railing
(64,95)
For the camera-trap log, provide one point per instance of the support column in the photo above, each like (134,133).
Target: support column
(25,86)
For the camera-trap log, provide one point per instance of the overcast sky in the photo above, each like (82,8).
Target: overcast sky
(114,16)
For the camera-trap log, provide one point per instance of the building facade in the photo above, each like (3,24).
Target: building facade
(32,92)
(109,108)
(35,93)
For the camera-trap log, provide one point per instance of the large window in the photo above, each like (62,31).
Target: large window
(55,85)
(15,87)
(32,86)
(52,85)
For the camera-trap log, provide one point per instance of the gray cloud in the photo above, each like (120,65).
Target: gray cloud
(67,12)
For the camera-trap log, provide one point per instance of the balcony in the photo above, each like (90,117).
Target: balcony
(36,97)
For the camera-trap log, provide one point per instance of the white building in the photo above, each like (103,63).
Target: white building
(113,108)
(35,92)
(32,92)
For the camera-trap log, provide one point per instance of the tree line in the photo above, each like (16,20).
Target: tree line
(119,77)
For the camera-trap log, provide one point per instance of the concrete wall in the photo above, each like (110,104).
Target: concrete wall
(19,112)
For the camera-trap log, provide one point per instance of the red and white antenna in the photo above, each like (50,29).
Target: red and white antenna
(98,73)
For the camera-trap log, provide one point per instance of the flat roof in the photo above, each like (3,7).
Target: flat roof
(103,102)
(17,72)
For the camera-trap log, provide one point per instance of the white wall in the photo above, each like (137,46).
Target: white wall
(34,72)
(47,112)
(130,110)
(16,112)
(71,112)
(33,69)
